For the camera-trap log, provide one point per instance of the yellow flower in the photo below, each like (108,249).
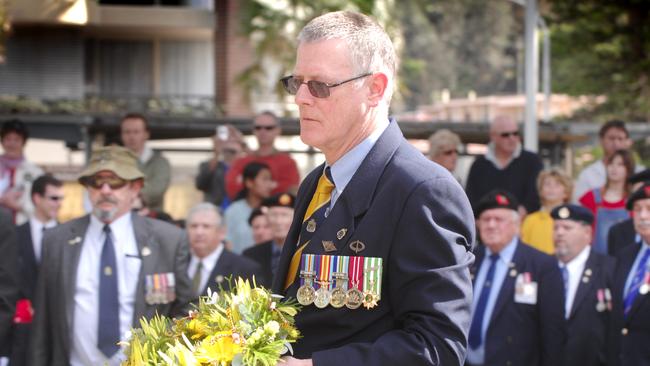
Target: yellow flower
(219,349)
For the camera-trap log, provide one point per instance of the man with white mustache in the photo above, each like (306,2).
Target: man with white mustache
(630,335)
(103,272)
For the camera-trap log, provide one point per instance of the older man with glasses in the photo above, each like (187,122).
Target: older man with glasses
(284,169)
(506,166)
(379,248)
(103,272)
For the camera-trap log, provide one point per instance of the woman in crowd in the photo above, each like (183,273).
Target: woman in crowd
(554,188)
(258,184)
(608,203)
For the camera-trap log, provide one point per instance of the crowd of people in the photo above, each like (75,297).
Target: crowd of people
(559,270)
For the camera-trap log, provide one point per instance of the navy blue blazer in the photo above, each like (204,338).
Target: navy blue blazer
(9,288)
(413,214)
(231,265)
(629,341)
(587,326)
(262,254)
(620,235)
(523,334)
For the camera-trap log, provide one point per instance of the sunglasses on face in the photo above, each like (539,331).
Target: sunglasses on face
(318,89)
(54,198)
(260,128)
(113,182)
(508,134)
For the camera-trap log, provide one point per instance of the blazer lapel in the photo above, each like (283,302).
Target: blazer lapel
(507,292)
(73,242)
(584,287)
(148,251)
(224,268)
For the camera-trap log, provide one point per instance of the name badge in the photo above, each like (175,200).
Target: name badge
(525,289)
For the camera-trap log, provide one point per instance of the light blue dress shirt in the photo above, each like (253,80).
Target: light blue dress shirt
(477,356)
(630,275)
(343,169)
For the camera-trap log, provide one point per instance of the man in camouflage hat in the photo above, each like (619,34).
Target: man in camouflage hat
(102,272)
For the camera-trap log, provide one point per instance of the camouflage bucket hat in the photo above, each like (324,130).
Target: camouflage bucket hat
(116,159)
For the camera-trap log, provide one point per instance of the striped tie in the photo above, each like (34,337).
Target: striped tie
(316,211)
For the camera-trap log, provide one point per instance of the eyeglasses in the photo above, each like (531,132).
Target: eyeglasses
(54,198)
(508,134)
(318,89)
(450,152)
(98,182)
(268,128)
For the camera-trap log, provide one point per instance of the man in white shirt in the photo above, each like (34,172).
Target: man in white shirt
(587,285)
(47,196)
(101,273)
(211,264)
(613,136)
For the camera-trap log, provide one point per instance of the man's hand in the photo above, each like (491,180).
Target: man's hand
(290,361)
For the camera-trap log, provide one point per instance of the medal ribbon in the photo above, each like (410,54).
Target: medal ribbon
(344,262)
(355,269)
(307,265)
(527,277)
(323,270)
(149,282)
(601,296)
(156,284)
(334,266)
(608,299)
(372,272)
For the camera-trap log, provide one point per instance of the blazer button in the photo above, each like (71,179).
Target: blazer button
(624,331)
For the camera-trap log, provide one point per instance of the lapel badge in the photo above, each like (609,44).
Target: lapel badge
(219,278)
(357,246)
(341,233)
(588,272)
(146,251)
(311,226)
(108,271)
(585,279)
(329,246)
(75,240)
(513,273)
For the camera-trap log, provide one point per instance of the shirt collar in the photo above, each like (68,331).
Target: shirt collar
(491,155)
(210,260)
(147,153)
(36,223)
(507,252)
(343,169)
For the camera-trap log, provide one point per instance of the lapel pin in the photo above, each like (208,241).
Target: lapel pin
(219,278)
(311,226)
(329,246)
(588,272)
(146,251)
(585,279)
(357,246)
(341,233)
(75,240)
(513,273)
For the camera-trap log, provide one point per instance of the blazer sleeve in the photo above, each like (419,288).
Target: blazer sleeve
(551,308)
(184,294)
(428,279)
(9,289)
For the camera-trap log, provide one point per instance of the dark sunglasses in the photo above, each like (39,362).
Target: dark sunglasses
(319,89)
(54,198)
(98,182)
(268,128)
(508,134)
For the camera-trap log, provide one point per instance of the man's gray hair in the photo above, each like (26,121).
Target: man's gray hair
(205,206)
(371,50)
(441,139)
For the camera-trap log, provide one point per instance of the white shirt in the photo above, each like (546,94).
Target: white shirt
(147,153)
(84,350)
(208,262)
(36,227)
(575,268)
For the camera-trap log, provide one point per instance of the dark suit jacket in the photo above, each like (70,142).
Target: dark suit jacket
(587,327)
(629,338)
(8,279)
(620,235)
(262,253)
(413,214)
(524,334)
(231,264)
(54,305)
(28,269)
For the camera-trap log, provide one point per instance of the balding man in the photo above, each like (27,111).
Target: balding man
(587,286)
(507,166)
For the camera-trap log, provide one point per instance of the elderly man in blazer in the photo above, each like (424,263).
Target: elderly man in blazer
(630,326)
(102,272)
(380,245)
(587,279)
(518,308)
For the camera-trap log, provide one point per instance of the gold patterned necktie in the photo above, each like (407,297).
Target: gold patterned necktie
(319,201)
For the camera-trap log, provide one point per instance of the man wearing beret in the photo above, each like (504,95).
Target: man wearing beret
(211,264)
(104,271)
(518,312)
(279,211)
(630,326)
(587,286)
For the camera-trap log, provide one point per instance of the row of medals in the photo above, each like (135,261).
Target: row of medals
(337,297)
